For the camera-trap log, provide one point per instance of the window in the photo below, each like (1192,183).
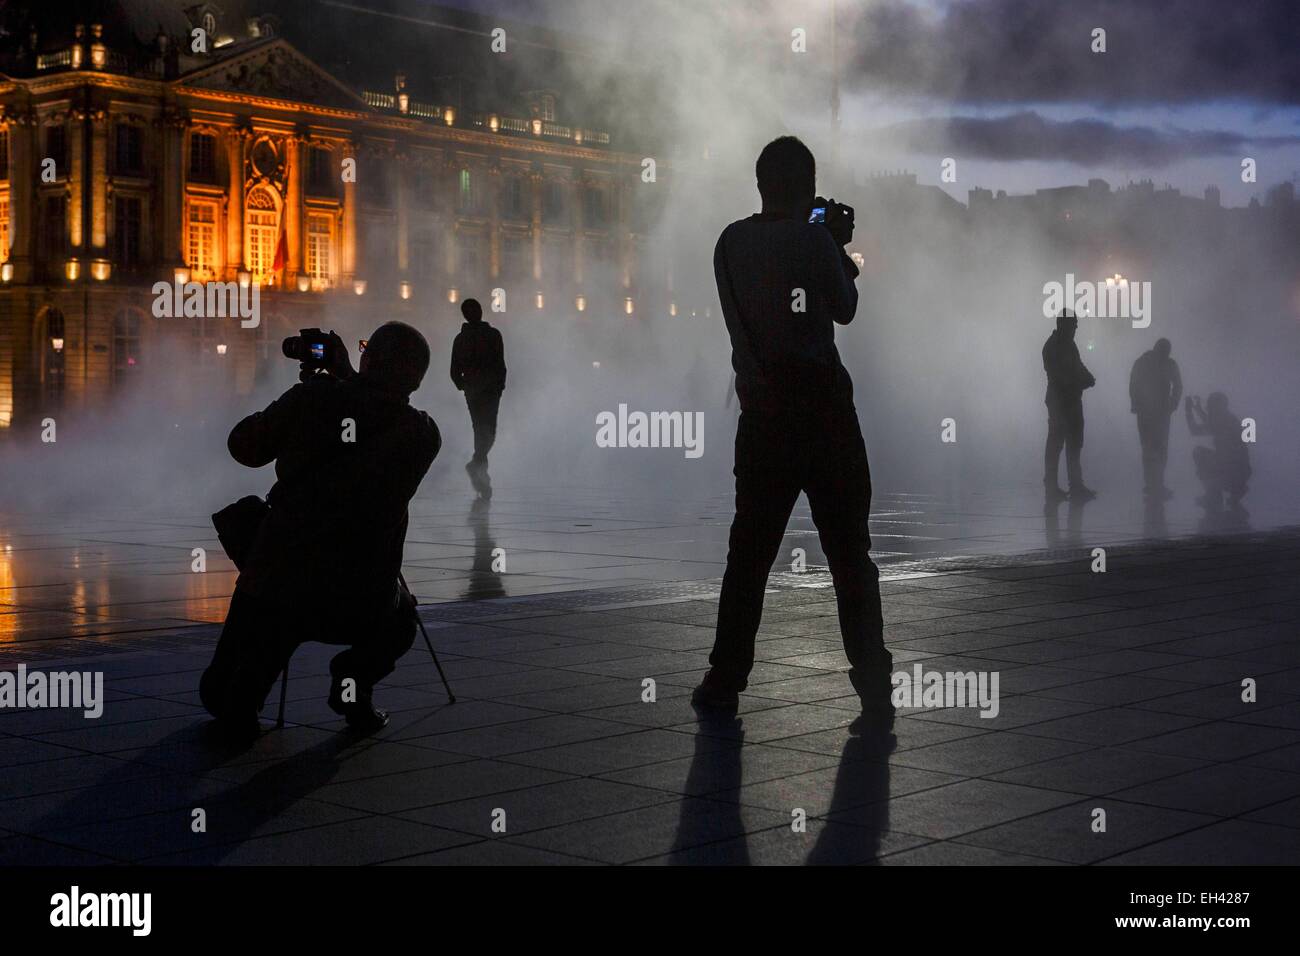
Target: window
(4,230)
(375,184)
(130,152)
(201,243)
(4,154)
(548,108)
(126,347)
(595,210)
(126,231)
(516,257)
(469,257)
(56,148)
(260,235)
(426,188)
(320,172)
(203,158)
(557,259)
(467,200)
(209,25)
(319,247)
(55,232)
(424,255)
(513,200)
(554,208)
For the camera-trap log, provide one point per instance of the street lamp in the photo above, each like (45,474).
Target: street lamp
(72,269)
(6,272)
(304,282)
(359,286)
(182,274)
(404,289)
(221,348)
(453,295)
(56,343)
(245,278)
(580,303)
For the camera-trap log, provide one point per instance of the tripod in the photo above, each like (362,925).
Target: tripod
(284,675)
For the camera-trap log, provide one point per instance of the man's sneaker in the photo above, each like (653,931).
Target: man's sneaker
(1082,493)
(361,714)
(713,695)
(1054,493)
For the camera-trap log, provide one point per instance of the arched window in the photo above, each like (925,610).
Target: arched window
(260,235)
(126,347)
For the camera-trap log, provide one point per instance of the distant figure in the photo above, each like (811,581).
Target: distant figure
(798,429)
(1154,389)
(478,368)
(1224,468)
(325,561)
(1066,380)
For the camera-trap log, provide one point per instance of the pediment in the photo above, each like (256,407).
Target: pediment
(274,69)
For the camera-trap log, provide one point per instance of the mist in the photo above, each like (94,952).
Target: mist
(950,323)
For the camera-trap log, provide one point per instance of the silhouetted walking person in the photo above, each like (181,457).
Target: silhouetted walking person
(1154,389)
(1224,468)
(1067,378)
(350,453)
(478,368)
(784,282)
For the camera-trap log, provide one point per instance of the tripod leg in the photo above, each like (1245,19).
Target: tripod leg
(284,687)
(428,643)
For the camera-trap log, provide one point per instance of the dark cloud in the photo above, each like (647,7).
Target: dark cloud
(1021,51)
(1088,142)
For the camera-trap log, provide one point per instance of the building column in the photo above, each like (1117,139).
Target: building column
(295,147)
(174,124)
(348,241)
(99,182)
(537,183)
(494,218)
(22,192)
(235,144)
(402,194)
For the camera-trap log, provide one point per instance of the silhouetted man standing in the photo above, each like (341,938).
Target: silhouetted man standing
(478,368)
(350,453)
(1066,380)
(1154,390)
(784,283)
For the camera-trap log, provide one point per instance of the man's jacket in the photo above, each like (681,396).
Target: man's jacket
(333,540)
(478,363)
(1067,376)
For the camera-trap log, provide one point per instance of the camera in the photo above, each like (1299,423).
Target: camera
(835,216)
(311,347)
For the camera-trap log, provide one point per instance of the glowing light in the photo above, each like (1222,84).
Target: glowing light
(72,270)
(449,116)
(541,301)
(453,296)
(537,127)
(245,278)
(494,122)
(595,365)
(7,272)
(359,286)
(56,343)
(404,290)
(580,303)
(672,308)
(304,282)
(221,348)
(100,269)
(182,274)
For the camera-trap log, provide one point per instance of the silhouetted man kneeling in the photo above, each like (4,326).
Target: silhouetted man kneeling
(478,368)
(1155,388)
(798,429)
(1224,467)
(1067,378)
(349,453)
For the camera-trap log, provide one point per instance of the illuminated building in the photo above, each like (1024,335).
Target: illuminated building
(126,159)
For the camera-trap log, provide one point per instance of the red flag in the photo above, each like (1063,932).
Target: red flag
(281,251)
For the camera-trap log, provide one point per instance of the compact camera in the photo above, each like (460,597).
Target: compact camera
(835,216)
(311,347)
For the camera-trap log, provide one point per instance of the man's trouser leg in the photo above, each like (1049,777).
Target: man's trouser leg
(839,493)
(767,486)
(483,410)
(379,644)
(1153,431)
(256,641)
(1074,442)
(1055,442)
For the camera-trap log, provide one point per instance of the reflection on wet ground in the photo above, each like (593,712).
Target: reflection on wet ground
(85,575)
